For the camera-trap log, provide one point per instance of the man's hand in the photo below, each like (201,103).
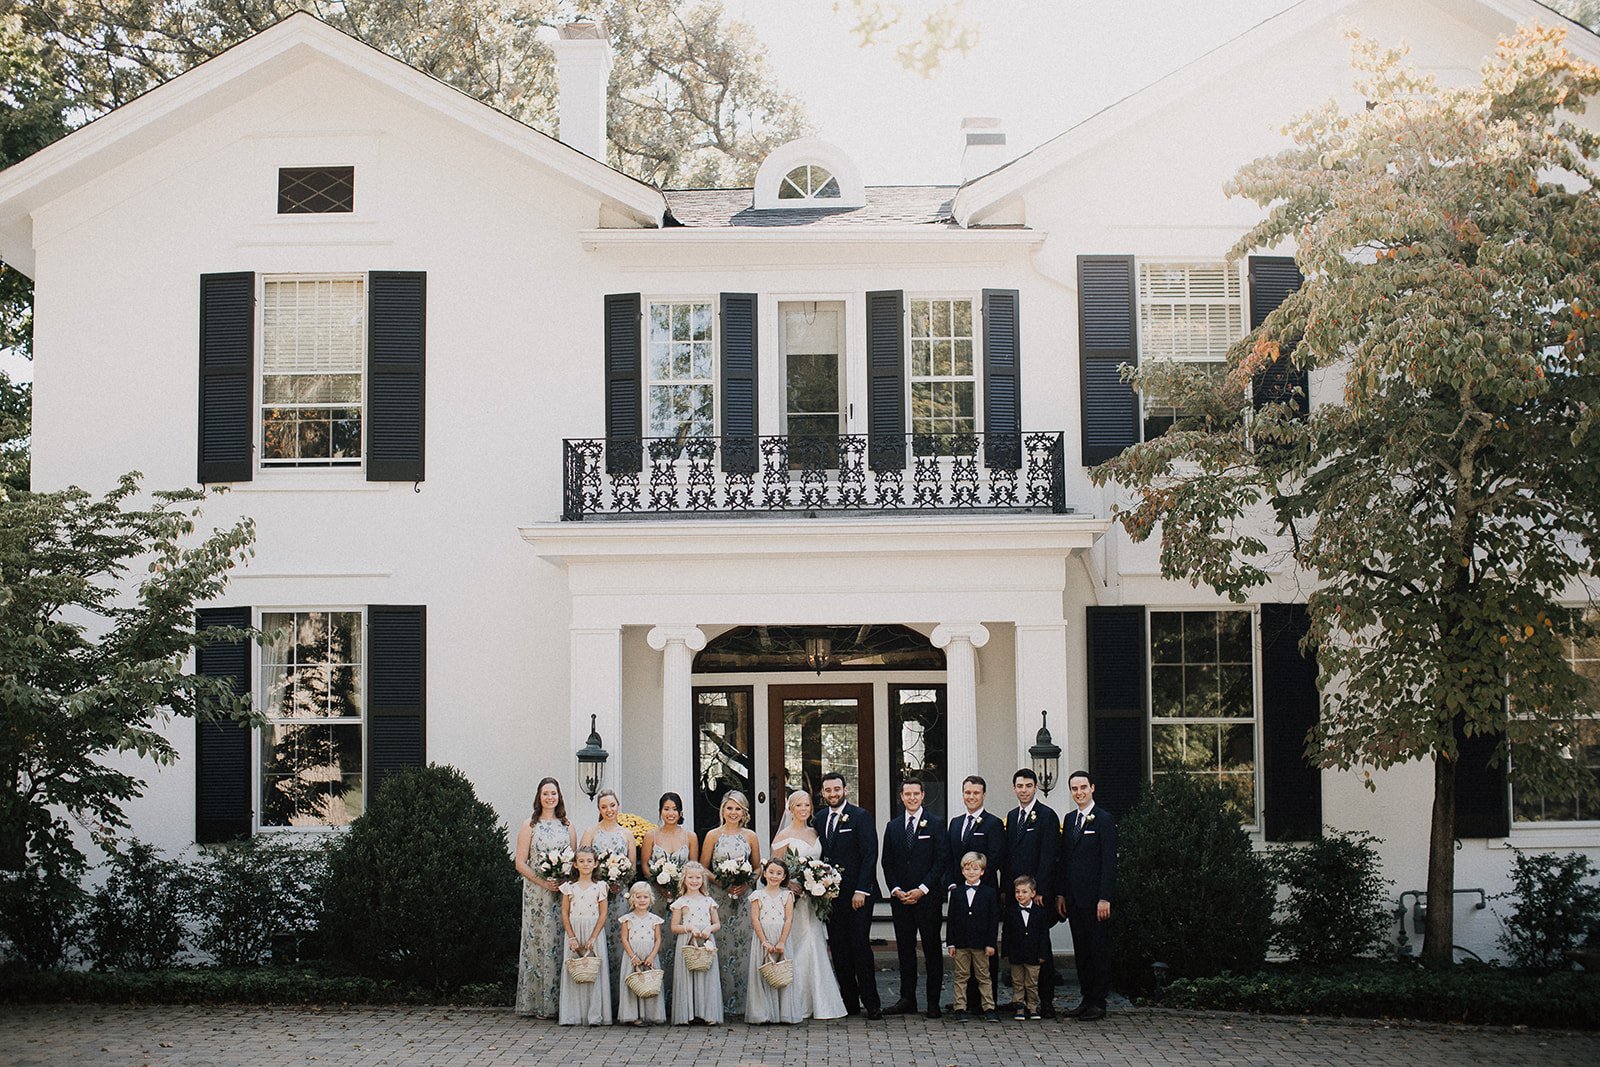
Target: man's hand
(1103,911)
(988,950)
(1061,907)
(858,900)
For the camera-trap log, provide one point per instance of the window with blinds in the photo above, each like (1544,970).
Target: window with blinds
(1189,311)
(313,341)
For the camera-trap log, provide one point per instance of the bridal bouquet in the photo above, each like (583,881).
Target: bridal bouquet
(816,880)
(732,872)
(615,869)
(554,864)
(669,874)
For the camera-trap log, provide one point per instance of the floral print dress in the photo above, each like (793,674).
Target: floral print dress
(669,945)
(539,962)
(620,841)
(733,942)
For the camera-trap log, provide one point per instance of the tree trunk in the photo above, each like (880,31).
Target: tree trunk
(1438,938)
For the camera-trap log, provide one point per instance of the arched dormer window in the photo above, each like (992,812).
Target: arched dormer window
(808,173)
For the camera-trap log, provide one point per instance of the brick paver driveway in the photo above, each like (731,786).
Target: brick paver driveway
(294,1037)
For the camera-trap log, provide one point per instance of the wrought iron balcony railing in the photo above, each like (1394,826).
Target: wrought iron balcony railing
(753,475)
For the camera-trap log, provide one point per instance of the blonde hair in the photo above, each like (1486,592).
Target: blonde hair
(975,857)
(740,799)
(612,793)
(692,868)
(642,884)
(796,795)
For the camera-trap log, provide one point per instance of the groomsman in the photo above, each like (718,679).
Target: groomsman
(849,843)
(980,831)
(1088,875)
(1033,836)
(915,865)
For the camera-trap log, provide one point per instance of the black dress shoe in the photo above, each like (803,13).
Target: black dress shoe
(874,1015)
(932,1013)
(1047,1011)
(1075,1012)
(901,1007)
(1092,1015)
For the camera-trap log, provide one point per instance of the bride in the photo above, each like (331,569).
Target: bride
(813,982)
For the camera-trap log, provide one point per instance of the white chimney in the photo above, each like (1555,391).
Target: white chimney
(983,147)
(583,69)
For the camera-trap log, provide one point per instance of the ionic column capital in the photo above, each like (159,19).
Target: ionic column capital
(974,633)
(690,636)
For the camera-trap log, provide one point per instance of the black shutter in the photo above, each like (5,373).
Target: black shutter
(1107,338)
(886,380)
(222,809)
(1483,793)
(397,323)
(1002,391)
(227,376)
(1290,703)
(397,672)
(738,356)
(624,400)
(1117,733)
(1273,278)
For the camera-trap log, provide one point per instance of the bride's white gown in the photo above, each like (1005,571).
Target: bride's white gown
(817,989)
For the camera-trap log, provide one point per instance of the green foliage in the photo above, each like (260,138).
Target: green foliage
(1337,906)
(1191,892)
(16,426)
(248,892)
(247,985)
(41,911)
(1467,993)
(422,887)
(1557,904)
(137,920)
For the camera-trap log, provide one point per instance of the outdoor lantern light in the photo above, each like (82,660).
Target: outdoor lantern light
(1046,756)
(819,650)
(591,762)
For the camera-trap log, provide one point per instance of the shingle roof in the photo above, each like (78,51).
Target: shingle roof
(887,205)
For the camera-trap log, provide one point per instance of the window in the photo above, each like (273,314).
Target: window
(1202,699)
(724,743)
(1191,313)
(679,384)
(944,386)
(312,695)
(313,340)
(808,182)
(1584,655)
(316,190)
(918,742)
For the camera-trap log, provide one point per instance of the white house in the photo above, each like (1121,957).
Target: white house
(762,483)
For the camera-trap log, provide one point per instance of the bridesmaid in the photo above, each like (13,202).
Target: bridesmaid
(539,960)
(732,840)
(611,836)
(675,842)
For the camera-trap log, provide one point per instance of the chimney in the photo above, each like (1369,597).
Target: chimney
(983,147)
(583,69)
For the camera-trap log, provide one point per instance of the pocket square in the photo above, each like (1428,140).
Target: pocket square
(1090,833)
(924,837)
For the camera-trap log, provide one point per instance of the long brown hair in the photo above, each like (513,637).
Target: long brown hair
(561,801)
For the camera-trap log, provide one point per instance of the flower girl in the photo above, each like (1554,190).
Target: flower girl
(696,994)
(583,915)
(641,951)
(771,912)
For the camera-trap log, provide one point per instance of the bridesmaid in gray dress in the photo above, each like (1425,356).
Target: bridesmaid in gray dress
(732,839)
(539,955)
(610,836)
(676,843)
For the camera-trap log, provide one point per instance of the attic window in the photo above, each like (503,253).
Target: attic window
(316,190)
(808,182)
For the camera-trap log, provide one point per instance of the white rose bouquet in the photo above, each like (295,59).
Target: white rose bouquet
(554,864)
(668,876)
(615,869)
(817,881)
(732,872)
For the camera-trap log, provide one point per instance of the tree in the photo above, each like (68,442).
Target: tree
(91,667)
(943,30)
(1444,506)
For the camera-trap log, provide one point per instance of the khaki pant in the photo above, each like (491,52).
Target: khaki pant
(1025,985)
(973,963)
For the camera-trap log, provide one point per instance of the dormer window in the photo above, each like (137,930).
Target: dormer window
(809,182)
(808,173)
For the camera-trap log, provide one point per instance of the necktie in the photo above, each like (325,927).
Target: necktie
(833,821)
(911,826)
(968,831)
(1080,820)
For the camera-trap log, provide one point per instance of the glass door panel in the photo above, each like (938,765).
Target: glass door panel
(813,370)
(816,730)
(724,747)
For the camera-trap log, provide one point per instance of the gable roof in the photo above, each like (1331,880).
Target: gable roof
(257,61)
(904,205)
(989,190)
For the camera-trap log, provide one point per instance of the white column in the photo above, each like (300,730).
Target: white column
(960,641)
(677,645)
(596,686)
(1042,686)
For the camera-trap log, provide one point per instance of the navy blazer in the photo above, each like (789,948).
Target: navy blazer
(1031,847)
(853,849)
(1087,871)
(976,926)
(1026,944)
(917,859)
(988,839)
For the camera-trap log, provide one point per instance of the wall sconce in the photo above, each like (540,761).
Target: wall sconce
(591,762)
(1045,756)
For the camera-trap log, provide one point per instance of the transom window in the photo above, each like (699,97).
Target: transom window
(316,190)
(808,182)
(313,341)
(680,388)
(312,695)
(1202,700)
(944,387)
(1584,655)
(1189,312)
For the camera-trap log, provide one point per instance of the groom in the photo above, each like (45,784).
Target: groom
(850,843)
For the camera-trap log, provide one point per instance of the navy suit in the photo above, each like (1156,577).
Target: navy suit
(853,848)
(1031,847)
(911,860)
(976,925)
(988,839)
(1088,875)
(1027,944)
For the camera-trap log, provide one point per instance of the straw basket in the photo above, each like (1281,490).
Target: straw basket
(644,984)
(698,957)
(777,973)
(584,969)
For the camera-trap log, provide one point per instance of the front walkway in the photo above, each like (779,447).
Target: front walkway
(295,1037)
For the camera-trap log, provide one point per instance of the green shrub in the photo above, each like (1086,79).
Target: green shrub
(41,910)
(1556,905)
(423,887)
(1337,907)
(137,918)
(248,892)
(1191,892)
(223,985)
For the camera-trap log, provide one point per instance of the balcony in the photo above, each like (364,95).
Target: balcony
(807,475)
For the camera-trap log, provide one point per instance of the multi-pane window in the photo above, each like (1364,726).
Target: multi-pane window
(1202,700)
(944,387)
(724,750)
(313,339)
(679,387)
(808,182)
(1584,655)
(312,696)
(1191,313)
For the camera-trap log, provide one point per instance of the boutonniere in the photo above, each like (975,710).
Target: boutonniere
(923,825)
(844,818)
(1088,820)
(1033,817)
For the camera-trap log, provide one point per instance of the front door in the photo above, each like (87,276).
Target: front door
(813,380)
(814,730)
